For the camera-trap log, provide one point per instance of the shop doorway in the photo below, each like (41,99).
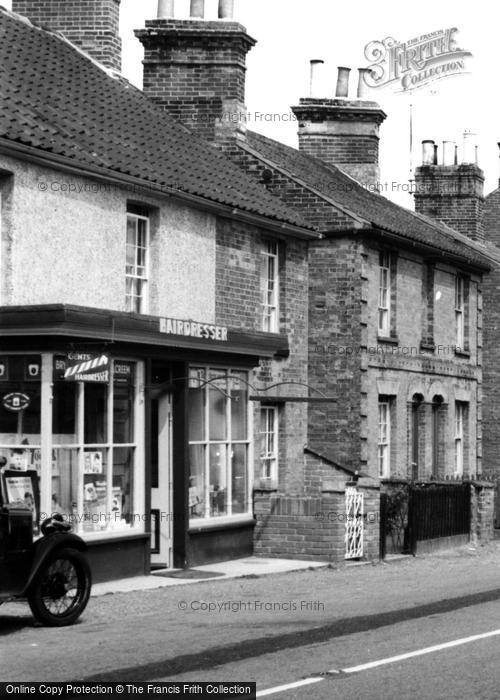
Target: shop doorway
(162,488)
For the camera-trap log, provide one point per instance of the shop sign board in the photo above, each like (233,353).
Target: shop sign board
(191,329)
(86,367)
(16,401)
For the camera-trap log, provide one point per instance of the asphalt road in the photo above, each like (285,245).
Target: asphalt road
(283,628)
(469,670)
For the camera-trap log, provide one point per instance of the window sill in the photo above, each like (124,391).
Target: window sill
(427,347)
(462,353)
(103,537)
(214,524)
(389,339)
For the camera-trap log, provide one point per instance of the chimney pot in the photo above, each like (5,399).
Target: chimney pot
(362,84)
(316,84)
(226,9)
(166,9)
(343,82)
(448,152)
(197,10)
(469,151)
(428,149)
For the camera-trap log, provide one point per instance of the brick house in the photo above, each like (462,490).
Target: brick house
(318,332)
(139,316)
(491,353)
(395,297)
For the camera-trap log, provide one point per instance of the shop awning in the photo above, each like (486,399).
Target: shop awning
(83,323)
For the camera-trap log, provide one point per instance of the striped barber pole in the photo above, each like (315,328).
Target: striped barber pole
(95,369)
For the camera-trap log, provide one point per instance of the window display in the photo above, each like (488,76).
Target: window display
(89,456)
(218,443)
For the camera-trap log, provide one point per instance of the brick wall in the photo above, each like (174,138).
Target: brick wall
(238,304)
(453,194)
(194,68)
(355,155)
(491,341)
(312,529)
(344,133)
(482,512)
(93,25)
(334,339)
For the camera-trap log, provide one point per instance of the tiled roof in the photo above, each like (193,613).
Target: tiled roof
(57,100)
(369,207)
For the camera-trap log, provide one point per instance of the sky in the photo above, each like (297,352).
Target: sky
(292,32)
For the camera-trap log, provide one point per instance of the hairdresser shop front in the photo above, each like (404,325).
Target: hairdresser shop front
(139,436)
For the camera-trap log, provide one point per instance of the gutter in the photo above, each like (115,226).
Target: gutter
(31,154)
(400,239)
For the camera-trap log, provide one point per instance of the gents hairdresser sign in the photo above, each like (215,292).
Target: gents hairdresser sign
(191,329)
(415,63)
(85,367)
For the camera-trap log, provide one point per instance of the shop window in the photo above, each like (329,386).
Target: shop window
(94,449)
(218,443)
(20,426)
(268,434)
(137,260)
(269,285)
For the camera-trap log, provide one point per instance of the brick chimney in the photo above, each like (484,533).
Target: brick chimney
(92,25)
(196,68)
(452,192)
(341,131)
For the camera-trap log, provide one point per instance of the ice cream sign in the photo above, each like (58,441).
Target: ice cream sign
(16,402)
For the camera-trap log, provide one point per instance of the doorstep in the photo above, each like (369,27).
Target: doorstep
(237,568)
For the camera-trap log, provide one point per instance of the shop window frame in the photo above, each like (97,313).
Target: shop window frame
(47,445)
(208,520)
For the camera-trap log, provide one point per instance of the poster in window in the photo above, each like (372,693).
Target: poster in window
(23,489)
(93,463)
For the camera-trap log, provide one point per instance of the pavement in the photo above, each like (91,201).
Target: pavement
(237,568)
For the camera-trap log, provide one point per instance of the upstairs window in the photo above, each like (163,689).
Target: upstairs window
(137,262)
(460,292)
(269,285)
(269,444)
(384,296)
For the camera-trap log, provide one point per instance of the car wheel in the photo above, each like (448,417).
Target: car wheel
(61,589)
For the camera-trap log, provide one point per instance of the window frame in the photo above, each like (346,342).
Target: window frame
(384,312)
(144,279)
(384,443)
(269,475)
(460,312)
(47,445)
(270,300)
(207,519)
(461,417)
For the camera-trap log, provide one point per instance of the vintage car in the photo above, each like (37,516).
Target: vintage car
(50,571)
